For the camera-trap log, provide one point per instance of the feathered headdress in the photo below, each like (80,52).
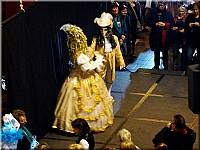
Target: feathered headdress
(105,20)
(76,41)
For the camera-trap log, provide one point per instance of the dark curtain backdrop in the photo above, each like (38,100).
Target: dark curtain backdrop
(35,56)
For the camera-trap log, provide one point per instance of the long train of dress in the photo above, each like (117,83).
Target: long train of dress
(84,95)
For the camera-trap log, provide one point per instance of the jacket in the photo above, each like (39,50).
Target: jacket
(175,140)
(113,59)
(156,36)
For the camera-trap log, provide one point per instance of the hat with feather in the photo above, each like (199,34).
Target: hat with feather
(105,20)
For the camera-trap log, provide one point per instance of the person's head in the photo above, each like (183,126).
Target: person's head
(123,10)
(80,126)
(127,145)
(195,9)
(104,23)
(178,122)
(42,146)
(114,8)
(76,41)
(181,11)
(75,147)
(161,5)
(124,135)
(20,116)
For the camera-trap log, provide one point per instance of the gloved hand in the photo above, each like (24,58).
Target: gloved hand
(121,67)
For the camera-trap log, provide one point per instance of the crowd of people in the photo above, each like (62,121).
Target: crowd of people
(177,32)
(85,103)
(127,24)
(175,135)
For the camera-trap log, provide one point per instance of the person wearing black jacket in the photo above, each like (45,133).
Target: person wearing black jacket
(179,39)
(192,33)
(114,11)
(133,11)
(161,21)
(125,44)
(82,129)
(175,136)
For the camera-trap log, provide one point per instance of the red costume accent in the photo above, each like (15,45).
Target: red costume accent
(165,32)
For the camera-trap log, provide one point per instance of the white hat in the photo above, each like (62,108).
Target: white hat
(105,20)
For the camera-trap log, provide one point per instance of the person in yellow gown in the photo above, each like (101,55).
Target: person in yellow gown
(106,44)
(83,93)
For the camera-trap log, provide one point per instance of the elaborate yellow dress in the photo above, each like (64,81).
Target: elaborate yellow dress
(84,95)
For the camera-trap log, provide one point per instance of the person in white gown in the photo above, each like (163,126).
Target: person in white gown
(83,93)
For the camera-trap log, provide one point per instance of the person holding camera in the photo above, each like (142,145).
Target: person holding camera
(192,34)
(175,135)
(161,22)
(179,39)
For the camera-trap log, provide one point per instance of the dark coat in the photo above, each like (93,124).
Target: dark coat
(126,28)
(179,37)
(155,38)
(192,34)
(132,16)
(89,138)
(175,140)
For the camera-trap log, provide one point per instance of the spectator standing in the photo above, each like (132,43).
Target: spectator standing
(117,27)
(125,46)
(193,33)
(161,21)
(175,135)
(133,11)
(82,129)
(179,39)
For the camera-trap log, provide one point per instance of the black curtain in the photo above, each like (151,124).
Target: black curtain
(35,56)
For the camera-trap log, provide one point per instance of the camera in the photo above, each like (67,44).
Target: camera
(193,24)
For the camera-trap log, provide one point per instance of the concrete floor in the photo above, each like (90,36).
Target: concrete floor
(145,101)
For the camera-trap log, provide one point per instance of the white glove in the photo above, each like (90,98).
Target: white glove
(83,61)
(121,67)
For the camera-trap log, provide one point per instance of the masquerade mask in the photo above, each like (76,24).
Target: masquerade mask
(104,31)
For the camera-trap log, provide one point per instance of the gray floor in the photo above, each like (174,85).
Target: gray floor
(145,101)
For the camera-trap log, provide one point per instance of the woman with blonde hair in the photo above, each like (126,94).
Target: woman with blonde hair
(124,137)
(75,147)
(127,145)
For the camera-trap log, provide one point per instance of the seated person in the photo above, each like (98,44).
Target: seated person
(82,129)
(124,137)
(42,146)
(28,140)
(75,147)
(176,135)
